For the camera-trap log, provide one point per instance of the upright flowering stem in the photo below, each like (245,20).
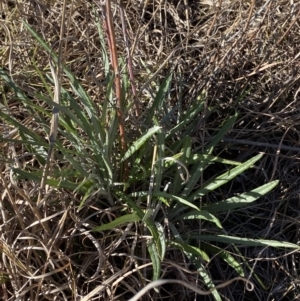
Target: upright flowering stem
(114,61)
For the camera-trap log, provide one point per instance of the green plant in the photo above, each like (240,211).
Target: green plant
(165,176)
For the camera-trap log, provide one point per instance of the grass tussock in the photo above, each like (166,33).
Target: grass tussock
(149,145)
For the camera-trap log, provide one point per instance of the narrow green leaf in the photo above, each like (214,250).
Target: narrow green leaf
(149,223)
(26,133)
(190,116)
(162,239)
(188,249)
(166,196)
(159,166)
(221,133)
(159,97)
(4,278)
(193,255)
(241,200)
(65,184)
(246,241)
(190,129)
(76,86)
(194,179)
(185,156)
(207,280)
(203,214)
(175,198)
(175,232)
(224,178)
(140,142)
(230,260)
(103,51)
(196,158)
(124,219)
(226,256)
(156,262)
(86,195)
(202,157)
(18,92)
(41,76)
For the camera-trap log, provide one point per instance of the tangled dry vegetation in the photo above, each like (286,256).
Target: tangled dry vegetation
(241,56)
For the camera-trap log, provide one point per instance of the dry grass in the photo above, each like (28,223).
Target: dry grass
(242,55)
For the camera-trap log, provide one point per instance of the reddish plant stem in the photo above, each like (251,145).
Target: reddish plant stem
(114,62)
